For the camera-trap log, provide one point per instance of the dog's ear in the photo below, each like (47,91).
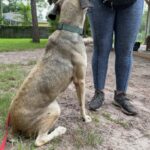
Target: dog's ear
(85,4)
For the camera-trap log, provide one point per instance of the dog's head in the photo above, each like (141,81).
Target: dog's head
(66,7)
(72,12)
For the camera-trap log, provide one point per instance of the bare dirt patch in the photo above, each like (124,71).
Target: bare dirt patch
(110,129)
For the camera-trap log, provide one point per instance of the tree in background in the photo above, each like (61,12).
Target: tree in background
(141,34)
(87,30)
(18,7)
(35,30)
(25,11)
(148,19)
(147,32)
(1,12)
(13,5)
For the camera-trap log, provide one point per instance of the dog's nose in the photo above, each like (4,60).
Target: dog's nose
(53,11)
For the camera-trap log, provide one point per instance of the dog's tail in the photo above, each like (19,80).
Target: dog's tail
(3,144)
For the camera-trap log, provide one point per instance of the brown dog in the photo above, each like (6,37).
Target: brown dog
(34,110)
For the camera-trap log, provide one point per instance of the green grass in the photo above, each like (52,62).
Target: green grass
(116,121)
(95,119)
(90,138)
(20,145)
(10,76)
(28,144)
(8,45)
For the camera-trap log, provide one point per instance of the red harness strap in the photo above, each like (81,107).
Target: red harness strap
(3,144)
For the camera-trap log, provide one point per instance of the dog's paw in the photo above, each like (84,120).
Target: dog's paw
(87,119)
(61,130)
(39,142)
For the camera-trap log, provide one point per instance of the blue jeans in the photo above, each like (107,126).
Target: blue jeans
(124,24)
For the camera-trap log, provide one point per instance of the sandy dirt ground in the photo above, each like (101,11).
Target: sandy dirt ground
(118,131)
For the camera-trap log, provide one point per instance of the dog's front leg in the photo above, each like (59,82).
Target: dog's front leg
(79,81)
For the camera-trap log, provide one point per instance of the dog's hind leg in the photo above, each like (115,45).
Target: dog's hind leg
(79,81)
(48,120)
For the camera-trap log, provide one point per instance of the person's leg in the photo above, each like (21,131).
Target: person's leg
(126,28)
(102,23)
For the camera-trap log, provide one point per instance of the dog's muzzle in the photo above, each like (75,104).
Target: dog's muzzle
(53,11)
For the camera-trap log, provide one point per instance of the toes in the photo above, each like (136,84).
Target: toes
(61,130)
(87,119)
(39,143)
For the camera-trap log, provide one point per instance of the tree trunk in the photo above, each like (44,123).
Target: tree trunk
(1,12)
(35,30)
(148,22)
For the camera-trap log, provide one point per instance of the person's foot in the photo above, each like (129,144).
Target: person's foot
(124,104)
(96,101)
